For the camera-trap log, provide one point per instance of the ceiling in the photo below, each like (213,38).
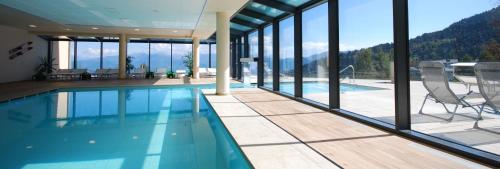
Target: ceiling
(145,18)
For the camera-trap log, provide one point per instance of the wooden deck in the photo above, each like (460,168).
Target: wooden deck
(341,141)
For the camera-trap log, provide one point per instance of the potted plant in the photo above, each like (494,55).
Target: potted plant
(45,67)
(128,64)
(150,75)
(188,62)
(170,74)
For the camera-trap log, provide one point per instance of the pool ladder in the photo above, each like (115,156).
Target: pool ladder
(352,80)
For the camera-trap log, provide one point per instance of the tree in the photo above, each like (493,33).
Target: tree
(490,52)
(467,58)
(364,61)
(384,65)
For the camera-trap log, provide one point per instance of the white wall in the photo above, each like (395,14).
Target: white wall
(22,67)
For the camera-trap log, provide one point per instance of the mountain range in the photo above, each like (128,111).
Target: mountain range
(475,38)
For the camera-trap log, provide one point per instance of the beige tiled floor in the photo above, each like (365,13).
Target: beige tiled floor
(265,144)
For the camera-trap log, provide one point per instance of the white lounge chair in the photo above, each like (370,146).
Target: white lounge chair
(161,72)
(61,74)
(488,80)
(180,73)
(54,75)
(435,80)
(138,73)
(71,74)
(211,71)
(100,73)
(112,73)
(203,72)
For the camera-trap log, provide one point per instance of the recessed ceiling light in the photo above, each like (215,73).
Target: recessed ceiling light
(136,29)
(95,28)
(32,26)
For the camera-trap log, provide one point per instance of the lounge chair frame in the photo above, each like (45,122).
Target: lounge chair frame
(450,97)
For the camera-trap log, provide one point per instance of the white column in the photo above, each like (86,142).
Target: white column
(122,56)
(196,58)
(60,51)
(222,33)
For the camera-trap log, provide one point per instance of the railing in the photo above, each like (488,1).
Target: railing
(353,77)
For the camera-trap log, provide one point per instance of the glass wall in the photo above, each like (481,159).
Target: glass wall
(139,55)
(213,57)
(366,58)
(178,54)
(455,41)
(110,54)
(204,55)
(241,54)
(160,57)
(88,56)
(286,35)
(253,40)
(71,55)
(268,56)
(315,54)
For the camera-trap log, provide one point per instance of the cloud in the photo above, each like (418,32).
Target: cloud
(89,53)
(310,48)
(347,47)
(160,48)
(106,52)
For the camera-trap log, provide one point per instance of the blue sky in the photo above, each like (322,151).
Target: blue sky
(365,23)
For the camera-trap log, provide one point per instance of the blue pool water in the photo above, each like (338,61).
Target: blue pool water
(322,87)
(116,128)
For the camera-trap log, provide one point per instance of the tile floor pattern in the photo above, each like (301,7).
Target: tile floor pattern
(276,132)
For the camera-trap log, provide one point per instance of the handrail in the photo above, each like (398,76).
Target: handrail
(352,80)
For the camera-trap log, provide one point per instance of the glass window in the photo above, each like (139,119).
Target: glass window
(71,55)
(139,55)
(447,39)
(315,54)
(264,9)
(286,35)
(241,54)
(253,40)
(213,57)
(110,55)
(88,56)
(249,19)
(366,58)
(178,55)
(294,2)
(268,56)
(160,57)
(204,55)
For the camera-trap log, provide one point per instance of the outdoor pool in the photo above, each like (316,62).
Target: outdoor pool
(116,128)
(322,87)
